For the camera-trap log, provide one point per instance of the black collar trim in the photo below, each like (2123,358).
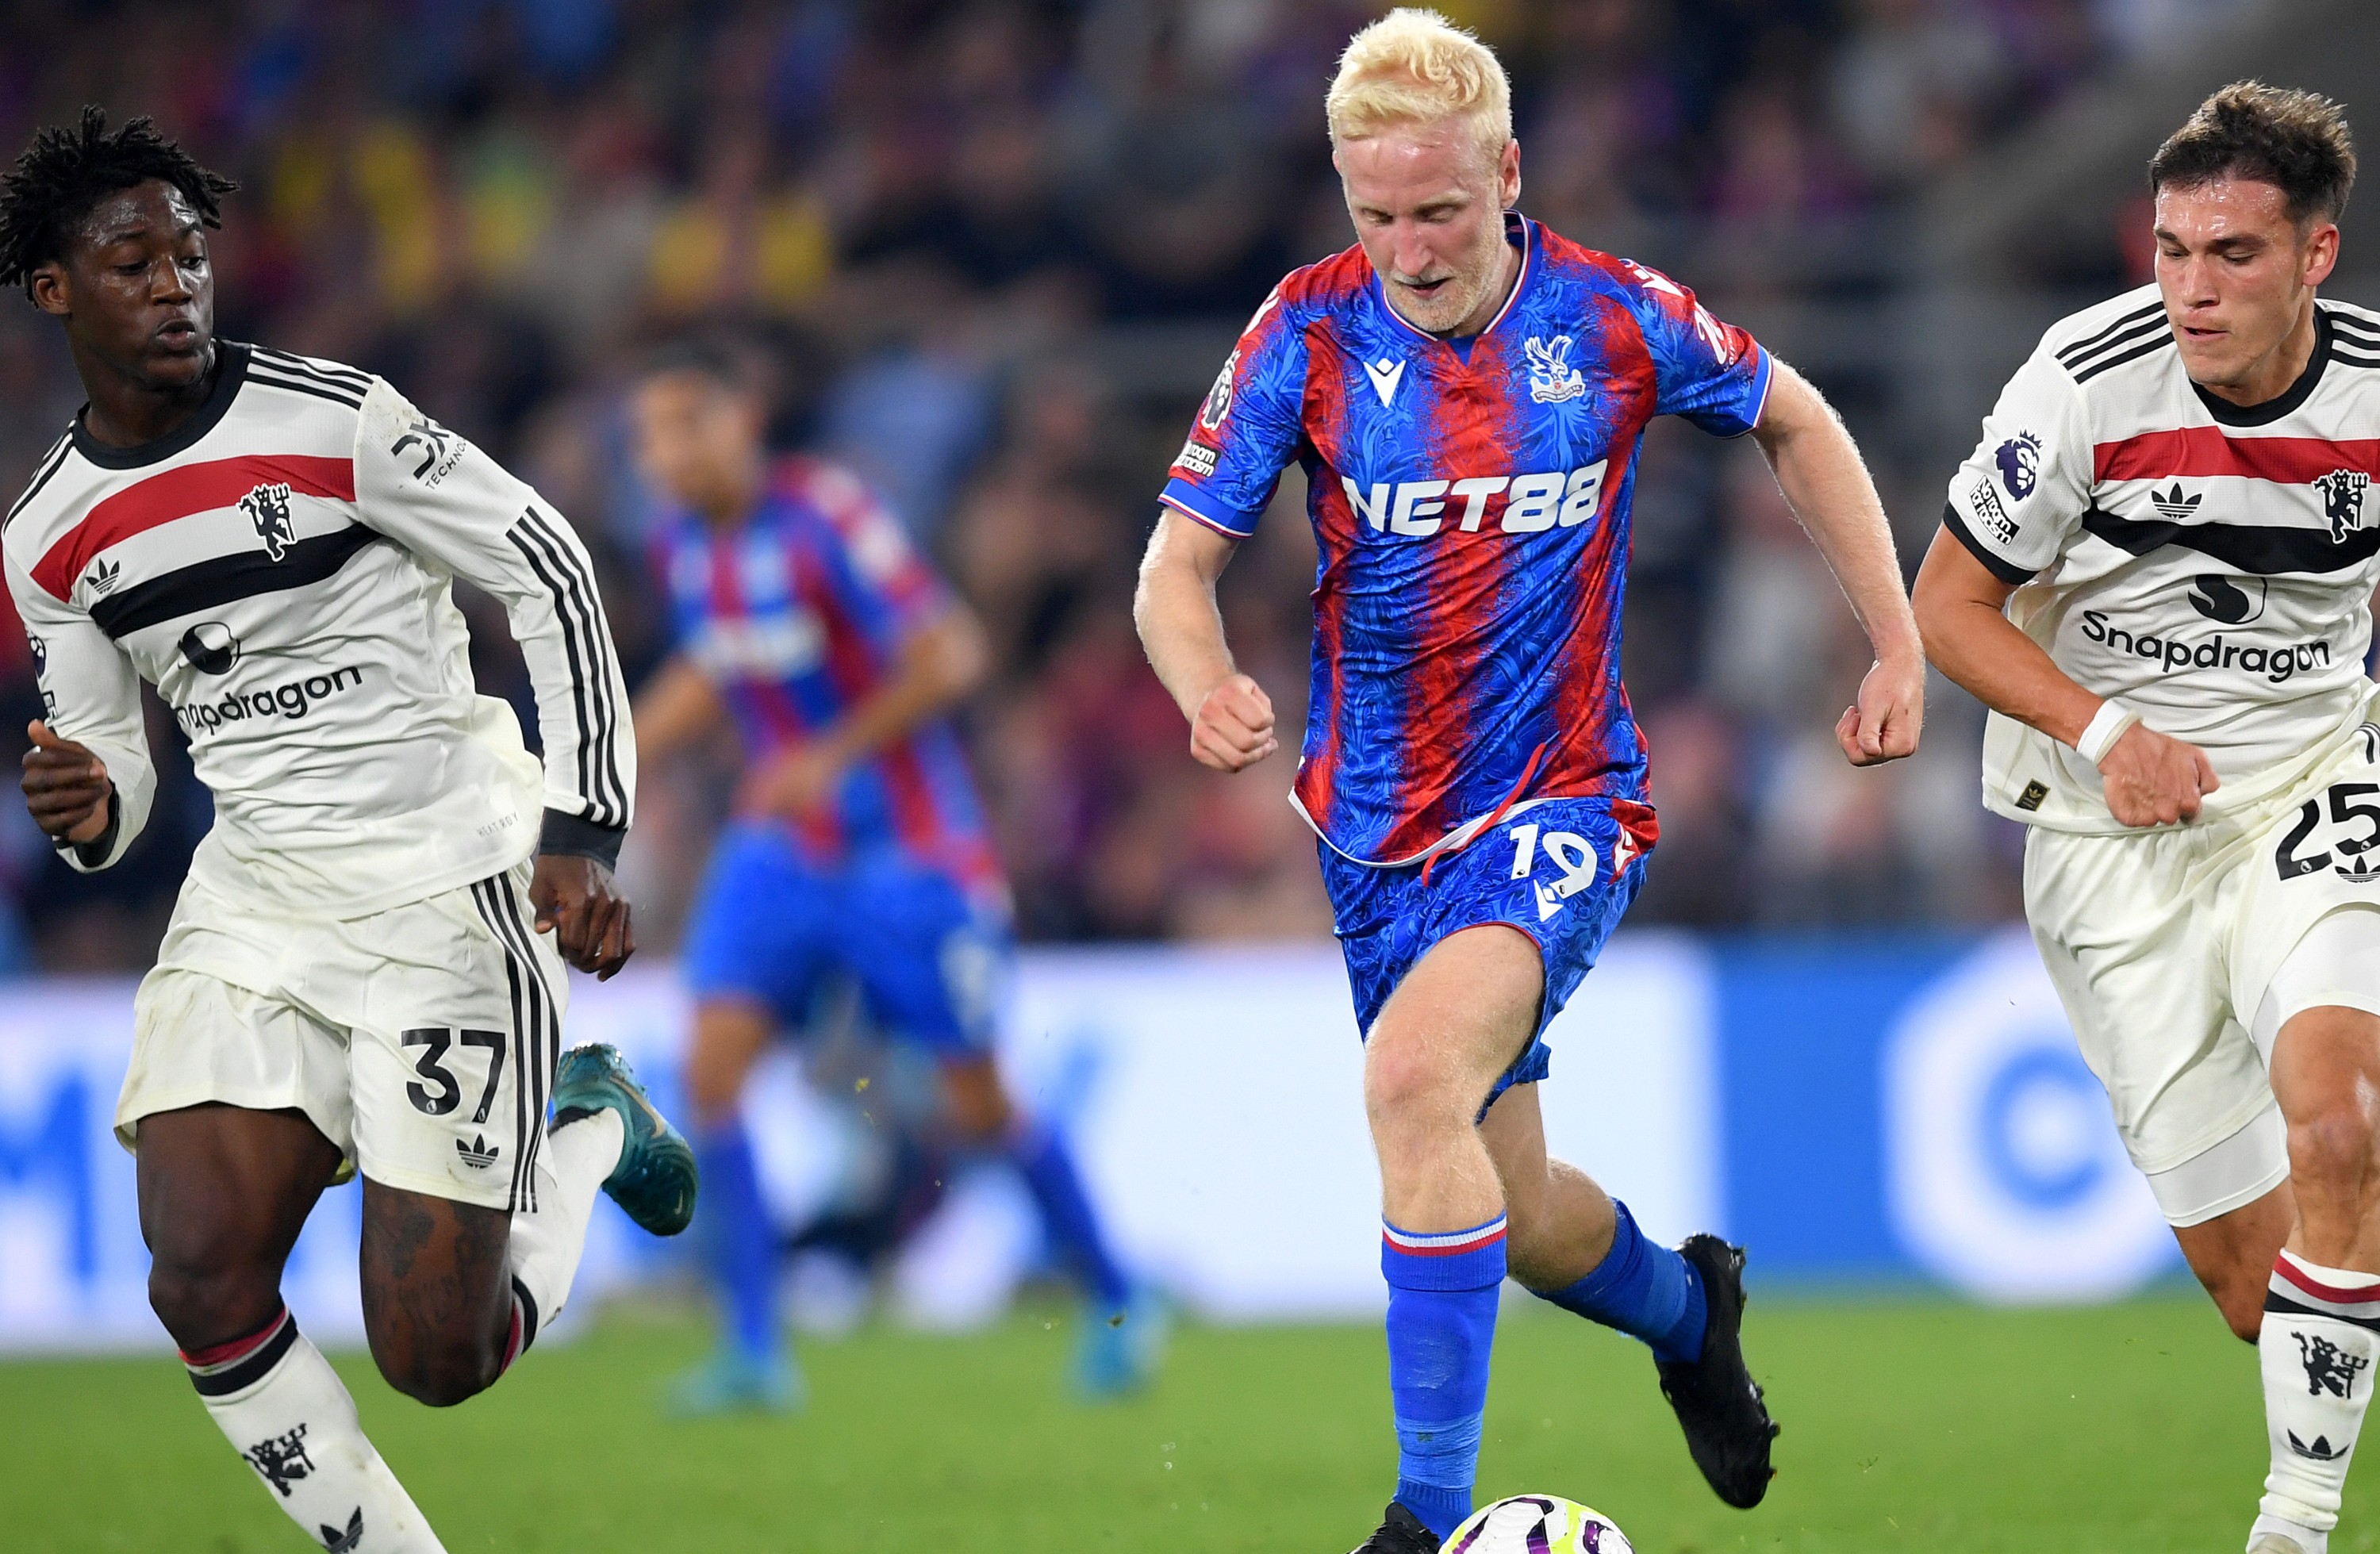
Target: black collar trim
(229,374)
(2271,410)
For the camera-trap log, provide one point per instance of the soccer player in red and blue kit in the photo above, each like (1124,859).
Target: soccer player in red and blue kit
(1465,391)
(856,851)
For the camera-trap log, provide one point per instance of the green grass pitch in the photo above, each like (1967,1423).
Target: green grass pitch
(1909,1424)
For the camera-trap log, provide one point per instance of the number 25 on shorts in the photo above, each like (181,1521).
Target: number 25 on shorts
(2345,811)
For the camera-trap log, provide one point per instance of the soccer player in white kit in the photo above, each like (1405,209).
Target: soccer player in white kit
(2157,571)
(364,971)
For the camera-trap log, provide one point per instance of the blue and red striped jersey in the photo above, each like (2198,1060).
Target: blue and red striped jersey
(797,614)
(1470,501)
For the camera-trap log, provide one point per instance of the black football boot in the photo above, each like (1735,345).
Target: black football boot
(1400,1532)
(1720,1407)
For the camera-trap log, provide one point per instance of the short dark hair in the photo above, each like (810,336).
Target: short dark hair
(65,173)
(2296,141)
(724,362)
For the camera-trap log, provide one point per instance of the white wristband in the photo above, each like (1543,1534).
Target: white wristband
(2106,726)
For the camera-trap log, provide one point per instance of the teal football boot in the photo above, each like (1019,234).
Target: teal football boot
(735,1380)
(1122,1347)
(655,1180)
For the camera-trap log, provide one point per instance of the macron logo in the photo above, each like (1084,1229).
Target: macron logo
(1385,375)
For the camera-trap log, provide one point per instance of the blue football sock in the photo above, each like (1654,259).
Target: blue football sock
(1442,1294)
(1645,1290)
(737,1240)
(1047,1166)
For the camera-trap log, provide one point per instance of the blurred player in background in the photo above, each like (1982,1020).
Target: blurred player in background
(856,846)
(363,972)
(2157,571)
(1465,391)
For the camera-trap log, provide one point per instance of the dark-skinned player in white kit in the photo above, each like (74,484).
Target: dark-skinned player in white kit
(364,971)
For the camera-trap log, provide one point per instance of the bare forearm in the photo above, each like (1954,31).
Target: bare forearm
(1181,629)
(1983,653)
(1960,608)
(2147,778)
(1839,509)
(941,664)
(885,717)
(1231,718)
(677,708)
(1826,482)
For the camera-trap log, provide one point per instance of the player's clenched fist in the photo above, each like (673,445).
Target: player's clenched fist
(66,786)
(1884,724)
(1232,728)
(576,899)
(2154,780)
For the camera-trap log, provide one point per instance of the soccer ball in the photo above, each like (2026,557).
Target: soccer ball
(1538,1524)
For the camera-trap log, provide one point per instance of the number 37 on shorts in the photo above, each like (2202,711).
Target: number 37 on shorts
(438,1092)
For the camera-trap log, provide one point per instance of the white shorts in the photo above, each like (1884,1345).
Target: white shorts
(421,1040)
(2179,953)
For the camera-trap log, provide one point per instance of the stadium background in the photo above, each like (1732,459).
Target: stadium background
(998,250)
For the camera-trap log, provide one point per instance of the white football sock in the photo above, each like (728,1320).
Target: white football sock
(2320,1336)
(548,1240)
(290,1418)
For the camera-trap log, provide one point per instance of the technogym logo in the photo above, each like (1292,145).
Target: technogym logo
(2276,662)
(294,699)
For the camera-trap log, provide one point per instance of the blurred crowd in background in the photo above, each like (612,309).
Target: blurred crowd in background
(997,249)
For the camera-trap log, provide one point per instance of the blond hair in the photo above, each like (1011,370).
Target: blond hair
(1413,67)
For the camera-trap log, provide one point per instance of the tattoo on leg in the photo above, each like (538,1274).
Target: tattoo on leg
(396,1236)
(438,1301)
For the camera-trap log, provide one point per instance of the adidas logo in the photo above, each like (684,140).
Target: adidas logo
(2321,1451)
(2176,507)
(2359,869)
(337,1542)
(103,574)
(479,1154)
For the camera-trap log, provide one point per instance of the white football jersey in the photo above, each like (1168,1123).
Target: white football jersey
(279,567)
(2211,566)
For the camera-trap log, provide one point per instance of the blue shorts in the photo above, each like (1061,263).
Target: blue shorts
(771,926)
(1546,870)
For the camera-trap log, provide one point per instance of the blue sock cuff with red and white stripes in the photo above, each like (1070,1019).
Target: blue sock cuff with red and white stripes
(1443,1287)
(1472,1259)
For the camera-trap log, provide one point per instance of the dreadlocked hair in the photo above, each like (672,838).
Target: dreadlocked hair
(66,172)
